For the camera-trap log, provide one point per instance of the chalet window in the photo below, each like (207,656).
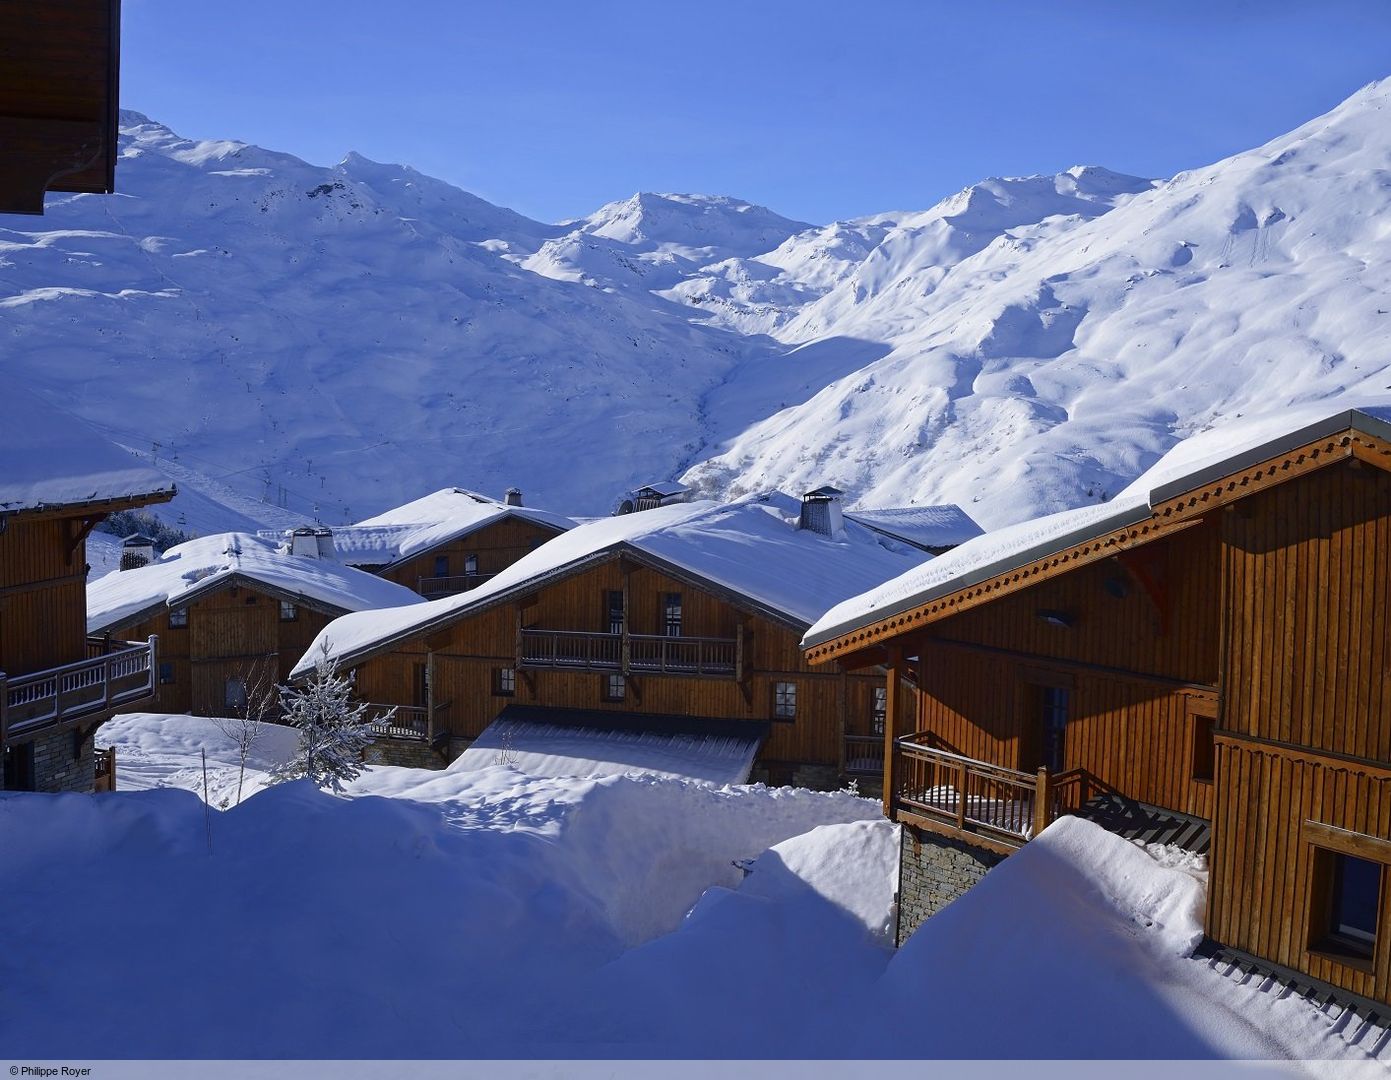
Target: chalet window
(880,709)
(614,601)
(166,673)
(441,566)
(470,564)
(178,618)
(785,700)
(615,688)
(288,611)
(1054,704)
(1347,906)
(671,614)
(234,693)
(504,681)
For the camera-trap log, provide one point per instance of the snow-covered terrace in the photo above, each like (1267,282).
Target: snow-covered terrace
(51,459)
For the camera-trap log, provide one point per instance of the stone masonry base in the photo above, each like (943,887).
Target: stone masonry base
(932,872)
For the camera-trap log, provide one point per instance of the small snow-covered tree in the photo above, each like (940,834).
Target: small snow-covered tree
(333,729)
(243,728)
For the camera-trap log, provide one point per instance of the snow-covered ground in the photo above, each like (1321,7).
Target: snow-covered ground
(475,913)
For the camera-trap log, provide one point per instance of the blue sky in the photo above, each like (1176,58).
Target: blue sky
(821,110)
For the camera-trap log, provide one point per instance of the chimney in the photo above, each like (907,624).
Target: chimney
(137,551)
(513,497)
(821,512)
(323,540)
(303,541)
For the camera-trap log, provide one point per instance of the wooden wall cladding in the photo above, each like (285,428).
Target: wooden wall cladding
(43,595)
(467,653)
(496,546)
(1308,580)
(1132,736)
(1154,612)
(1262,882)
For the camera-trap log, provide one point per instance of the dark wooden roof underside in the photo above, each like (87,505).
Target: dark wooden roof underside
(59,78)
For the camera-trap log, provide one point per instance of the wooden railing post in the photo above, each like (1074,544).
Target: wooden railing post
(4,709)
(1043,801)
(430,695)
(961,796)
(890,727)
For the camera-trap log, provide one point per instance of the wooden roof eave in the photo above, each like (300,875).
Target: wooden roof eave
(217,583)
(92,508)
(401,560)
(1175,507)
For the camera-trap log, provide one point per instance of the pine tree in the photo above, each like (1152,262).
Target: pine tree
(333,729)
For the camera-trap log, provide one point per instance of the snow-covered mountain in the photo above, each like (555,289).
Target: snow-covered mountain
(359,334)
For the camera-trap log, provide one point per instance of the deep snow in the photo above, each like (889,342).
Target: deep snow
(475,913)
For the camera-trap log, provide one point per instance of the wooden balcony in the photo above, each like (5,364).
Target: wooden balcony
(997,807)
(48,699)
(864,755)
(432,588)
(410,722)
(630,654)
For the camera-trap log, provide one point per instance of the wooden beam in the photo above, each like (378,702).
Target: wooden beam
(891,726)
(1347,842)
(78,533)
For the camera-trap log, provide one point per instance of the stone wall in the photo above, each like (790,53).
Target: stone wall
(404,752)
(932,872)
(62,763)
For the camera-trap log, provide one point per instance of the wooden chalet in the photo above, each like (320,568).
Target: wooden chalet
(57,685)
(688,612)
(59,74)
(233,612)
(1206,660)
(447,542)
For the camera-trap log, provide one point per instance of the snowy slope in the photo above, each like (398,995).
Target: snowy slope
(1055,362)
(335,340)
(352,334)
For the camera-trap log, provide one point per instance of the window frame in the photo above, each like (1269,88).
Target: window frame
(1329,846)
(504,682)
(178,618)
(292,608)
(606,687)
(611,609)
(878,709)
(784,701)
(672,614)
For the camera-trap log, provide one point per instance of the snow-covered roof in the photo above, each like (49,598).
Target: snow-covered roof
(189,570)
(922,526)
(751,547)
(663,488)
(48,459)
(542,742)
(438,518)
(1194,462)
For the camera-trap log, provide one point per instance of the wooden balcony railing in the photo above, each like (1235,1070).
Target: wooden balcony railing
(1002,805)
(682,655)
(405,722)
(54,697)
(635,654)
(864,755)
(104,769)
(435,587)
(572,649)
